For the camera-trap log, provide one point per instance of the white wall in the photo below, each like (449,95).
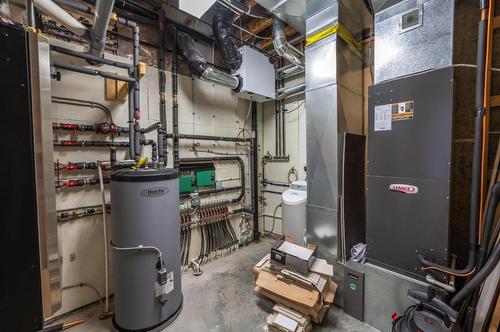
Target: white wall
(203,109)
(295,132)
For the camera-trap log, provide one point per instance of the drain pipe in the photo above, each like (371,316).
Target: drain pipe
(103,11)
(282,47)
(59,14)
(199,67)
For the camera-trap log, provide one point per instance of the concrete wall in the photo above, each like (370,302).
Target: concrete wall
(204,109)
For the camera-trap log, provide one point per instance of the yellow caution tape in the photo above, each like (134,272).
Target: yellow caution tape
(338,29)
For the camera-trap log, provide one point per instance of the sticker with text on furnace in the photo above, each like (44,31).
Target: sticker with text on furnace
(402,111)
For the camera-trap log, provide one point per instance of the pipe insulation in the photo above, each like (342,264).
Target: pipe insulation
(198,64)
(60,15)
(102,15)
(283,47)
(221,26)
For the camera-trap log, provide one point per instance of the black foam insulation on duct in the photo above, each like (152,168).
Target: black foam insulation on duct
(196,61)
(221,25)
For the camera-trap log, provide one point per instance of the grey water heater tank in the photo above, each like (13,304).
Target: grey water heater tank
(145,226)
(294,202)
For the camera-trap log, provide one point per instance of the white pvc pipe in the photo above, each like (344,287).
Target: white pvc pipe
(105,236)
(60,15)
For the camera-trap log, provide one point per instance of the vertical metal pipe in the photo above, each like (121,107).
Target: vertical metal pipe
(254,173)
(30,11)
(175,105)
(283,129)
(162,85)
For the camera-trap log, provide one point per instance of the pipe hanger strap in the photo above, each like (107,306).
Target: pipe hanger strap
(338,29)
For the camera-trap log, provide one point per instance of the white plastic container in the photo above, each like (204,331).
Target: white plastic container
(294,202)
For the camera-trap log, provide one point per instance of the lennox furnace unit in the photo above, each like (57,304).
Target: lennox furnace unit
(419,137)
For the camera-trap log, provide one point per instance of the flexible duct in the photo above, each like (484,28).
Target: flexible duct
(60,15)
(221,25)
(281,45)
(103,11)
(198,64)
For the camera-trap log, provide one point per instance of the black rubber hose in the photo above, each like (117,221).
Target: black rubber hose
(488,224)
(221,26)
(478,279)
(476,160)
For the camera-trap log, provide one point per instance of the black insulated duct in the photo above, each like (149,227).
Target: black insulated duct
(221,25)
(196,61)
(198,64)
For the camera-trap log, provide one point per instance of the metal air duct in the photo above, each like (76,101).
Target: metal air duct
(282,47)
(221,25)
(198,64)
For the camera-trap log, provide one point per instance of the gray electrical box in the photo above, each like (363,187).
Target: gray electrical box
(257,74)
(354,292)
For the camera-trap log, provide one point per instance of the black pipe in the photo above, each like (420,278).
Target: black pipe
(272,192)
(175,104)
(476,159)
(89,143)
(162,81)
(254,173)
(94,72)
(89,57)
(488,225)
(276,183)
(209,138)
(478,279)
(218,159)
(221,26)
(131,122)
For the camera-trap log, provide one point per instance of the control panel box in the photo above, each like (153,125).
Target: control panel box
(257,75)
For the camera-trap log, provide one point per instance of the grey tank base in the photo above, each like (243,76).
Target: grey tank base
(155,328)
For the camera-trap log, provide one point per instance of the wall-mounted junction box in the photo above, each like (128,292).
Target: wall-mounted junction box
(205,178)
(187,183)
(258,75)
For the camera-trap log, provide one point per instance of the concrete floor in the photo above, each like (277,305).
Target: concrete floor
(223,299)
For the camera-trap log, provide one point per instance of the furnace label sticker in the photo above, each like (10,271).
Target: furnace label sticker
(383,118)
(402,111)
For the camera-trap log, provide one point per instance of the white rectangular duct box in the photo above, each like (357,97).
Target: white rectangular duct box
(195,7)
(257,75)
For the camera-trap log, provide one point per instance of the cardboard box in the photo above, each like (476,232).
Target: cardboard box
(310,300)
(295,256)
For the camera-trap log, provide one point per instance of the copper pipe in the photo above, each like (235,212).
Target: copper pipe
(449,272)
(489,15)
